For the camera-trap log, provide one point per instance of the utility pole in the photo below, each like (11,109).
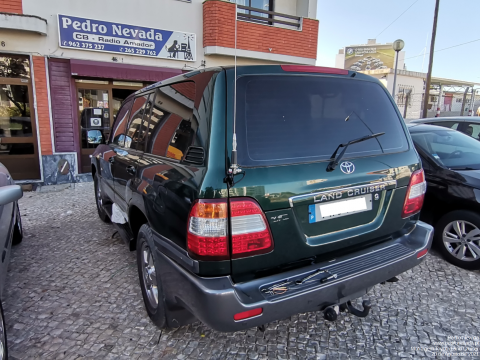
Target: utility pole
(430,63)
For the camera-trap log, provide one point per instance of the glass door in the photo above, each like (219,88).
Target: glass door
(94,119)
(98,104)
(18,135)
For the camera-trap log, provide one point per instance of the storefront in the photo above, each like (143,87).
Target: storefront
(85,98)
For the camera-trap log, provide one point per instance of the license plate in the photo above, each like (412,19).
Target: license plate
(334,209)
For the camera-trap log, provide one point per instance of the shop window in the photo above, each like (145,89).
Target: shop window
(172,129)
(121,118)
(15,118)
(17,67)
(135,136)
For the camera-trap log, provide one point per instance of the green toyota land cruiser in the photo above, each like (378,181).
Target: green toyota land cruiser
(255,193)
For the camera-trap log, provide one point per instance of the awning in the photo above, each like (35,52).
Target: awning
(104,70)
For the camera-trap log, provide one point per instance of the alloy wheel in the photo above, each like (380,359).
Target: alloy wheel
(462,240)
(149,276)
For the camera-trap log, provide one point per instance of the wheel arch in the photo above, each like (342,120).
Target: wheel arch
(136,218)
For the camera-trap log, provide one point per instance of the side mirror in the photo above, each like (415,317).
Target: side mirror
(94,137)
(10,194)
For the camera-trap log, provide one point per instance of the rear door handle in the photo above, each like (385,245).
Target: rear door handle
(131,169)
(111,160)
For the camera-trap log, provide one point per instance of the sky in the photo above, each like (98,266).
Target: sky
(351,22)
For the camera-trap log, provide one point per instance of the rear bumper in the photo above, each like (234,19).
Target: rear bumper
(215,301)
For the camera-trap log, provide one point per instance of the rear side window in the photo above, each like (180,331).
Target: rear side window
(138,123)
(289,119)
(172,126)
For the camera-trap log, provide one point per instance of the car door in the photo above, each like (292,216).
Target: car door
(117,141)
(126,159)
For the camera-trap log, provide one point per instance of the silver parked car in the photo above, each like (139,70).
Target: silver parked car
(11,232)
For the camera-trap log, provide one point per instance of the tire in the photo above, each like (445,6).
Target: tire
(18,229)
(102,214)
(149,277)
(3,336)
(457,235)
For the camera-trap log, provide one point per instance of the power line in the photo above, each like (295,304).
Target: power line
(450,47)
(396,19)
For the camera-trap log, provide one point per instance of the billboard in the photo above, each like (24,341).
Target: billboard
(369,57)
(104,36)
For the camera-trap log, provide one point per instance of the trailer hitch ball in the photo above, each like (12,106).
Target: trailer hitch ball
(354,311)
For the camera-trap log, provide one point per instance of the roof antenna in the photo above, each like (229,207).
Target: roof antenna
(234,169)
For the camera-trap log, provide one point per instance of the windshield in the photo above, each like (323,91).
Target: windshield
(450,148)
(285,119)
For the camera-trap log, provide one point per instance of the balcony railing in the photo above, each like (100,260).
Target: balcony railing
(247,13)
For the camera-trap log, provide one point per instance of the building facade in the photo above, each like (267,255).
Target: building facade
(65,67)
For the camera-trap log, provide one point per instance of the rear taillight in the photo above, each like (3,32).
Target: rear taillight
(250,233)
(415,194)
(207,229)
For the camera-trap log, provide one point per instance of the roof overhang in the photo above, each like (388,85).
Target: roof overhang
(450,82)
(21,22)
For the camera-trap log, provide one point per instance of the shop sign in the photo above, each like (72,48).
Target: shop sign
(95,35)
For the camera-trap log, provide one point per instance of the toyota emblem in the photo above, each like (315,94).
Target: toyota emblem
(347,167)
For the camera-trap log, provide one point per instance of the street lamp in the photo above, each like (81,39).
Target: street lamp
(397,46)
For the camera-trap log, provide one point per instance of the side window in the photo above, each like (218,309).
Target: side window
(448,124)
(135,136)
(172,125)
(118,134)
(473,130)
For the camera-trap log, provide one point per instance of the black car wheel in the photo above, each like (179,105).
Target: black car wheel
(149,277)
(102,214)
(3,336)
(457,234)
(18,230)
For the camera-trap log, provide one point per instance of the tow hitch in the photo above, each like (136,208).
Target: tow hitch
(354,311)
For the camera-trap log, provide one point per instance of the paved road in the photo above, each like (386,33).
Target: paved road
(72,291)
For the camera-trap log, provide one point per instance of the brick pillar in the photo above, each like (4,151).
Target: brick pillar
(11,6)
(43,112)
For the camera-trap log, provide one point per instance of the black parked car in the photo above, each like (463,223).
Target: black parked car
(11,232)
(451,161)
(321,205)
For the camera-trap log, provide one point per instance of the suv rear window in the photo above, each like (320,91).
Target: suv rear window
(286,119)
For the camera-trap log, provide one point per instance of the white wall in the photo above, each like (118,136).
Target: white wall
(340,61)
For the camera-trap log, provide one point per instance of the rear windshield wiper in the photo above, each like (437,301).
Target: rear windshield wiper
(334,159)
